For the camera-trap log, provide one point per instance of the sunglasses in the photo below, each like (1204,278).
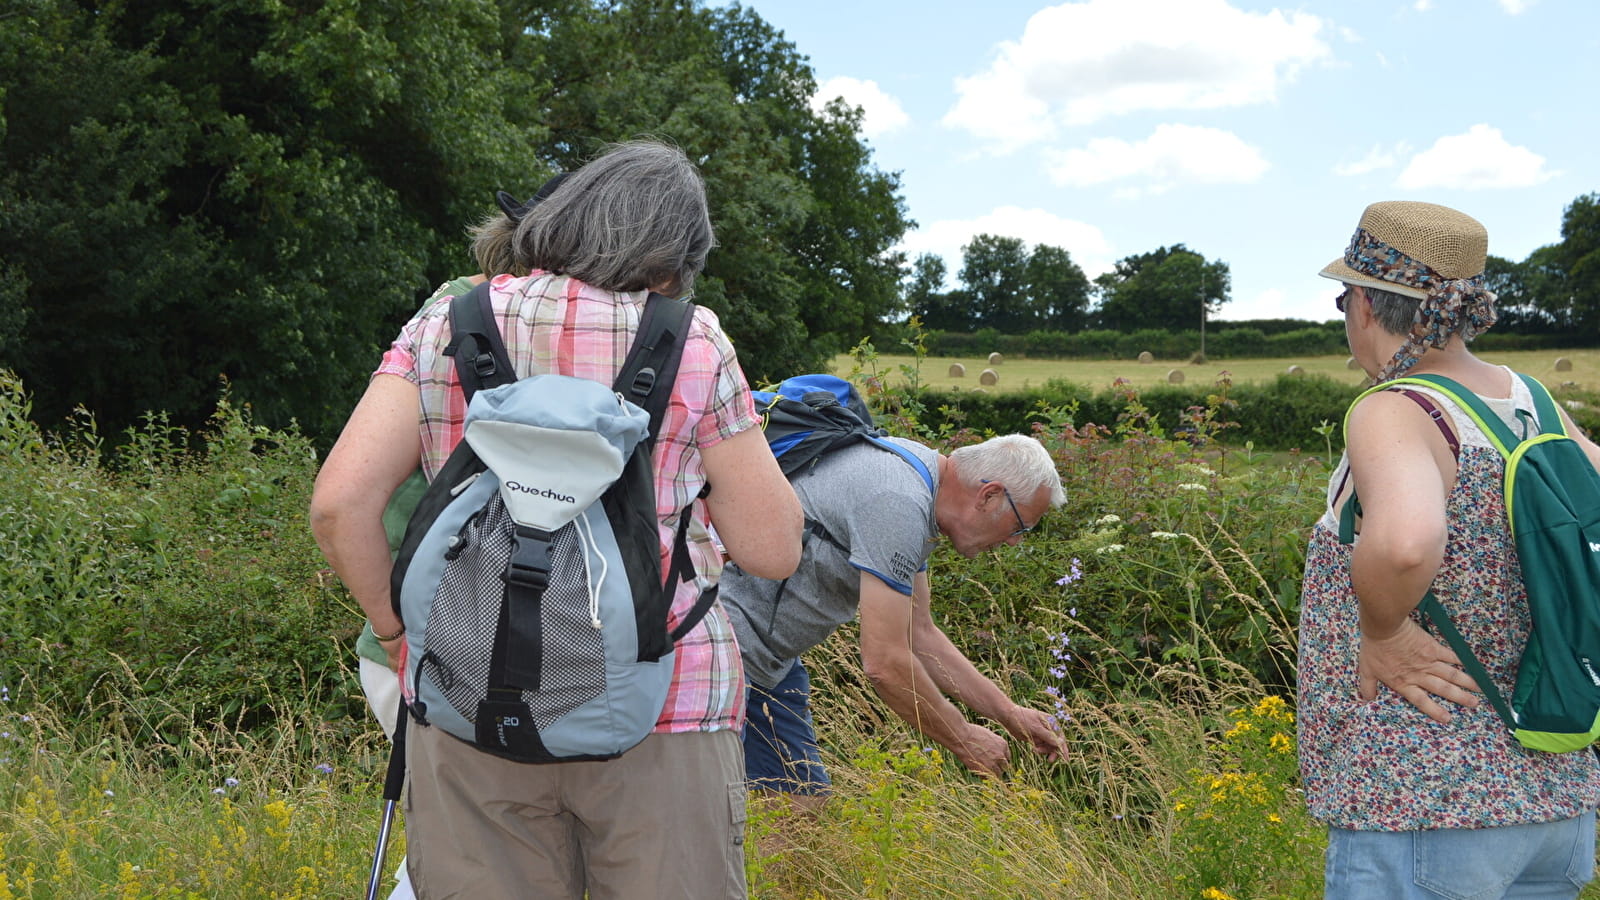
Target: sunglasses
(1021,527)
(1338,301)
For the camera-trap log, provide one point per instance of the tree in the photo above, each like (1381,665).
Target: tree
(804,222)
(1058,291)
(995,272)
(1004,287)
(248,189)
(928,301)
(1575,295)
(1164,288)
(1516,305)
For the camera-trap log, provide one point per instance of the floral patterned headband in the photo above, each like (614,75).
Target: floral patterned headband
(1453,305)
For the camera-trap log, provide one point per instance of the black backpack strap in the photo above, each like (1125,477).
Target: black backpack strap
(645,380)
(476,344)
(654,358)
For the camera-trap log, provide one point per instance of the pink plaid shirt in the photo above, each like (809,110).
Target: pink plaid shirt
(553,323)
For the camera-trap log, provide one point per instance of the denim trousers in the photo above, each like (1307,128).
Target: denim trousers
(1543,860)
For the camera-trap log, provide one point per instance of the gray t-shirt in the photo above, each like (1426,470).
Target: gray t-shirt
(869,500)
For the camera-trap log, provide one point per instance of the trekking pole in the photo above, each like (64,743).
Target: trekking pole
(393,781)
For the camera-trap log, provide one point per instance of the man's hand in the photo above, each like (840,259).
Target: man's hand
(983,751)
(1039,730)
(1417,667)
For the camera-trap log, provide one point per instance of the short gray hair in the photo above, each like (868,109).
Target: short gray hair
(634,218)
(1397,313)
(1017,461)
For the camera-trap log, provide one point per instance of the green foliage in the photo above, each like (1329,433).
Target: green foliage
(1282,414)
(186,581)
(1241,824)
(1229,342)
(1005,288)
(1165,288)
(264,191)
(247,189)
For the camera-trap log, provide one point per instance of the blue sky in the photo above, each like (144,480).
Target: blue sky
(1251,132)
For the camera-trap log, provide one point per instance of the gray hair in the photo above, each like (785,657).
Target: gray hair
(1397,313)
(1017,461)
(634,218)
(491,246)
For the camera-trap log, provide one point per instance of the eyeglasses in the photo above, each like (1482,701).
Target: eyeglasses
(1338,301)
(1021,527)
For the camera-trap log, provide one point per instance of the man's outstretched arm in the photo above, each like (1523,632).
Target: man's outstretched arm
(900,678)
(957,677)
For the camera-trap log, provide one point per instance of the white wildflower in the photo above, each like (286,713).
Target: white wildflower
(1109,519)
(1191,486)
(1165,535)
(1110,548)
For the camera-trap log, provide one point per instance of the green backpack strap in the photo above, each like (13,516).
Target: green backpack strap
(1352,504)
(1434,611)
(1544,406)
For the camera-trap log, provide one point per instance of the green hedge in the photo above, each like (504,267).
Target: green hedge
(1279,415)
(1248,342)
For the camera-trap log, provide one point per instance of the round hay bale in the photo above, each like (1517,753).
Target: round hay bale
(1296,370)
(1351,364)
(1146,357)
(1565,385)
(995,359)
(1175,376)
(1576,404)
(957,370)
(989,376)
(1563,364)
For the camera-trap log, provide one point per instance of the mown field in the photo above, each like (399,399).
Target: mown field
(1019,374)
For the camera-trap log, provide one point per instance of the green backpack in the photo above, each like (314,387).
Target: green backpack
(1552,496)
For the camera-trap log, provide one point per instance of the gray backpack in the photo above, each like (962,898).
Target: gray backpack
(529,580)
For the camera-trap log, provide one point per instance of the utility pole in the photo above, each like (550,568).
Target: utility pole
(1202,308)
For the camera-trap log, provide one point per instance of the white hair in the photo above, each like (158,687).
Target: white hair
(1017,461)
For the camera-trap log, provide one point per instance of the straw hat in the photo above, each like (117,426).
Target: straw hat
(1450,243)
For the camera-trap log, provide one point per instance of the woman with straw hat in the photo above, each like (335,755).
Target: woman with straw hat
(1425,792)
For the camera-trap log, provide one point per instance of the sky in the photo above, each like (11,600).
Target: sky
(1250,132)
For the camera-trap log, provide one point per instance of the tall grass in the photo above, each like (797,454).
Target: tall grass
(148,752)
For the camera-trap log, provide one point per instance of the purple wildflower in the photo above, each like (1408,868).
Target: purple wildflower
(324,768)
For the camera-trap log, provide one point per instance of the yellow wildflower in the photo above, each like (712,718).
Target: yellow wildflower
(1212,893)
(1281,743)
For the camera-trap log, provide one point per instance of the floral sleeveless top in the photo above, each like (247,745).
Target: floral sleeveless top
(1383,765)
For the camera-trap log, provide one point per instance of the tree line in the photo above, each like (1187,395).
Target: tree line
(1006,288)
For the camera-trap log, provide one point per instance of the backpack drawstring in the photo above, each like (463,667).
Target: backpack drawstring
(586,536)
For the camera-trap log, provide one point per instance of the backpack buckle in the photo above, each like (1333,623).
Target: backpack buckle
(530,560)
(643,382)
(484,365)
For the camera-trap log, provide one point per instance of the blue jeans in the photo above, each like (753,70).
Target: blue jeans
(780,742)
(1547,860)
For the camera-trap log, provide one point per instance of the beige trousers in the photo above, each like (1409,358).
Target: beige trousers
(664,821)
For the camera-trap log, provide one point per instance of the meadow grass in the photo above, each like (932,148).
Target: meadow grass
(1154,615)
(1099,374)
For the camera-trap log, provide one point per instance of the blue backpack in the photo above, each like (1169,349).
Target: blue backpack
(808,416)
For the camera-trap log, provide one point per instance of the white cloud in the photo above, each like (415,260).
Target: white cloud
(1422,5)
(1088,246)
(1515,7)
(881,112)
(1379,157)
(1172,154)
(1481,158)
(1079,63)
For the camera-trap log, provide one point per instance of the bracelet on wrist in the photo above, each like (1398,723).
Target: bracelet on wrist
(385,638)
